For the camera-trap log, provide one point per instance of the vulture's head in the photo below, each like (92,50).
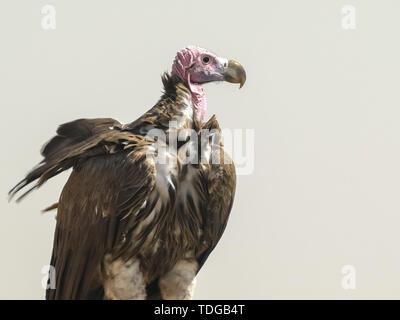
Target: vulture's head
(195,66)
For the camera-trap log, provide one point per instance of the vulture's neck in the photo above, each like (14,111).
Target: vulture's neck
(199,101)
(198,96)
(181,104)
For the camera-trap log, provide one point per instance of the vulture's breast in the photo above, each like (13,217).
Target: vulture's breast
(169,224)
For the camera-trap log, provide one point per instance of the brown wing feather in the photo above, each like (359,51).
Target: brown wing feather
(90,137)
(90,220)
(221,192)
(71,133)
(220,181)
(92,217)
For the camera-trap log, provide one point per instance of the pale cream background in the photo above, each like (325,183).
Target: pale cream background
(324,103)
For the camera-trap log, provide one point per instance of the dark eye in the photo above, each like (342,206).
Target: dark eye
(206,59)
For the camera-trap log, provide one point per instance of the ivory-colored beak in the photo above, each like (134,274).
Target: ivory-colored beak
(235,73)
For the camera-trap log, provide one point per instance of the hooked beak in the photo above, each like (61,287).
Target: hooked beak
(235,73)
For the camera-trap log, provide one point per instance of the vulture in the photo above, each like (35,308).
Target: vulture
(146,202)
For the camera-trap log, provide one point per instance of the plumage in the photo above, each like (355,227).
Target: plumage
(130,226)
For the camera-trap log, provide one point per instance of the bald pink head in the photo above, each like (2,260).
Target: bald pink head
(195,66)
